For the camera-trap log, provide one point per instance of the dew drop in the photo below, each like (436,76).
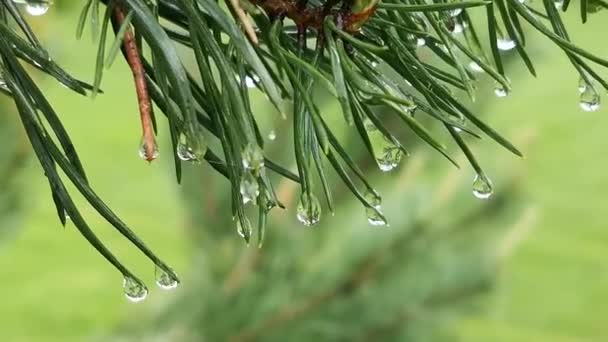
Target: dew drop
(249,187)
(272,135)
(253,157)
(387,155)
(188,149)
(37,7)
(473,66)
(148,155)
(558,4)
(455,12)
(135,290)
(590,99)
(374,214)
(482,187)
(500,90)
(582,85)
(244,228)
(505,43)
(164,279)
(309,209)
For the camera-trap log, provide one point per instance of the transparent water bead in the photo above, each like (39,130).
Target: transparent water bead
(249,188)
(244,228)
(164,280)
(457,28)
(135,291)
(387,155)
(309,210)
(590,99)
(188,149)
(559,4)
(252,157)
(505,43)
(272,135)
(455,12)
(374,215)
(473,66)
(35,7)
(143,154)
(500,90)
(582,85)
(482,187)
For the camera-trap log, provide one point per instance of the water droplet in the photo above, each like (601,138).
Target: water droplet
(455,12)
(148,155)
(590,99)
(253,157)
(244,228)
(37,7)
(482,187)
(558,4)
(473,66)
(164,279)
(505,43)
(135,291)
(500,90)
(374,214)
(272,135)
(457,28)
(309,209)
(189,149)
(249,187)
(387,155)
(420,42)
(250,82)
(582,85)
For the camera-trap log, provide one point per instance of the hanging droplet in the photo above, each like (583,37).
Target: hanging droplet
(455,12)
(135,291)
(272,135)
(253,157)
(309,209)
(473,66)
(250,82)
(457,28)
(505,43)
(188,149)
(164,280)
(374,214)
(37,7)
(582,85)
(482,187)
(500,90)
(387,155)
(558,4)
(420,42)
(590,99)
(244,228)
(249,187)
(150,155)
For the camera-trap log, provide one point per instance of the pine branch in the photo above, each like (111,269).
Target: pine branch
(365,53)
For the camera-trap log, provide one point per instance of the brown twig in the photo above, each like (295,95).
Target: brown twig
(143,99)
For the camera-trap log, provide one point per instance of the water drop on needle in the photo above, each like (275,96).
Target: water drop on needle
(134,290)
(249,188)
(164,279)
(308,210)
(505,44)
(37,7)
(482,187)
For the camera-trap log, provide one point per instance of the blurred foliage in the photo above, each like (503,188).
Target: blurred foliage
(13,157)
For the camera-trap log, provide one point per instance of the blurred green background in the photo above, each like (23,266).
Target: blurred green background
(54,286)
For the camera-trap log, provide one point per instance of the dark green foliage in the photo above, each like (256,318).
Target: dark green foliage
(366,54)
